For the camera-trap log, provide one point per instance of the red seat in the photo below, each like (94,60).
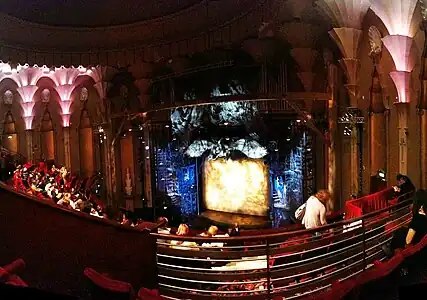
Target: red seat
(103,287)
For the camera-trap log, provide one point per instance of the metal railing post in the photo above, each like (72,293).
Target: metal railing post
(267,250)
(364,244)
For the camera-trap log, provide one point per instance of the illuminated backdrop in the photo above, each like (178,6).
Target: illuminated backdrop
(236,186)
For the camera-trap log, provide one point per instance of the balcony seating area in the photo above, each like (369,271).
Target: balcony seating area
(296,264)
(103,287)
(306,264)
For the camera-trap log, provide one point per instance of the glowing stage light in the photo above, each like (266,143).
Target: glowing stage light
(396,16)
(236,186)
(400,47)
(402,81)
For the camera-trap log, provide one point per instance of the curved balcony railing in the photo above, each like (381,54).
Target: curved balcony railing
(293,265)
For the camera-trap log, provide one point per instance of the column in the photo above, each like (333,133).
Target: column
(351,67)
(67,147)
(29,140)
(148,194)
(402,114)
(423,146)
(422,105)
(331,171)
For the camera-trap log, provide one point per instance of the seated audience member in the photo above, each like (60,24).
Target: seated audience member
(414,233)
(164,229)
(315,210)
(66,201)
(404,185)
(234,231)
(125,220)
(183,230)
(212,231)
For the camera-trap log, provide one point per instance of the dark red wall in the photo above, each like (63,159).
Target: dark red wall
(57,245)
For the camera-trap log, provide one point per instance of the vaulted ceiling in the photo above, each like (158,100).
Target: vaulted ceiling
(84,13)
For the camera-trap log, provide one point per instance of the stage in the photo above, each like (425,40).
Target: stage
(224,219)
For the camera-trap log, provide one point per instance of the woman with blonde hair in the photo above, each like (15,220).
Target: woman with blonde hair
(184,230)
(315,210)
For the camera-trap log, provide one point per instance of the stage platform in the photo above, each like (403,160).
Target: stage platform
(224,219)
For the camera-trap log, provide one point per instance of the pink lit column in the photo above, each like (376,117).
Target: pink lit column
(398,19)
(27,94)
(67,145)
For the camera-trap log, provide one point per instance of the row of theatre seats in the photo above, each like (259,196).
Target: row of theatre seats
(323,263)
(101,286)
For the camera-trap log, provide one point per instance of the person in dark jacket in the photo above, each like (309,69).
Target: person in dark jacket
(404,186)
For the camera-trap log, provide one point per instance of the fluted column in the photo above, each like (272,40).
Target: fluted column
(378,140)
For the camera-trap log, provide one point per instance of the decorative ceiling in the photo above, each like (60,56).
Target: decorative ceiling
(93,13)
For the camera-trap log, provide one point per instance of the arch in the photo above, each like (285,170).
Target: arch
(86,144)
(8,83)
(83,80)
(45,80)
(47,136)
(10,139)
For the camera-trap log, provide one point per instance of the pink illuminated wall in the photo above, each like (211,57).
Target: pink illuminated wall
(397,16)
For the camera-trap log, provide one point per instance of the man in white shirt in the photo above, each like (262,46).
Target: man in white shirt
(315,210)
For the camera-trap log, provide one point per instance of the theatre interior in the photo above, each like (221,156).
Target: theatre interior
(164,149)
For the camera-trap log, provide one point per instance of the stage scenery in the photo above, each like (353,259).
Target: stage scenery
(230,163)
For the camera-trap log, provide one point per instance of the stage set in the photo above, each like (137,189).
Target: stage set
(230,162)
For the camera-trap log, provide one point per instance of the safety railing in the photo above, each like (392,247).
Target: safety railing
(293,265)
